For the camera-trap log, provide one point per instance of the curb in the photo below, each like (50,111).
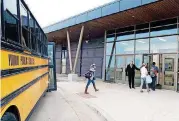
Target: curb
(99,112)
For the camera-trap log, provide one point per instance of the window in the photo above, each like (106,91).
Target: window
(110,66)
(32,24)
(32,32)
(110,38)
(125,36)
(142,33)
(126,29)
(37,39)
(11,20)
(142,46)
(142,26)
(109,48)
(164,22)
(125,47)
(25,29)
(164,30)
(167,44)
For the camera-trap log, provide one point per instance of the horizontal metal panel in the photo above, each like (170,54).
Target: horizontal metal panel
(107,9)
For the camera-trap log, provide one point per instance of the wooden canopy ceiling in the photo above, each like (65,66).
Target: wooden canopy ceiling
(95,28)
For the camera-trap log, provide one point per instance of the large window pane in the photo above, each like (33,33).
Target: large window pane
(111,8)
(125,36)
(109,48)
(24,22)
(164,30)
(164,44)
(24,17)
(142,33)
(110,39)
(11,5)
(125,47)
(142,46)
(32,24)
(163,22)
(11,22)
(94,14)
(110,65)
(127,4)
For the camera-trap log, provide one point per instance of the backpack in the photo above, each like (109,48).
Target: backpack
(88,75)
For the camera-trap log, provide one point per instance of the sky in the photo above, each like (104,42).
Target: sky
(48,12)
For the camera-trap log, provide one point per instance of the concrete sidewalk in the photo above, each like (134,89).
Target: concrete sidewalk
(118,103)
(63,106)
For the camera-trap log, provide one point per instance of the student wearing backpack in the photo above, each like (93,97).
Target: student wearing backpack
(153,74)
(90,75)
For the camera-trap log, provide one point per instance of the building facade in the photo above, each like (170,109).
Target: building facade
(143,31)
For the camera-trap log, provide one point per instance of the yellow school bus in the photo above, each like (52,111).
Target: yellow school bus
(24,61)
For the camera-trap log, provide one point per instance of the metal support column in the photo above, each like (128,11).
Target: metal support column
(78,49)
(104,59)
(69,51)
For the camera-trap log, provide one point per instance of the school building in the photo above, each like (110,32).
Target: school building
(113,35)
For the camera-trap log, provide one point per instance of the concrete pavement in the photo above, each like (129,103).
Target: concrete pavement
(63,106)
(118,103)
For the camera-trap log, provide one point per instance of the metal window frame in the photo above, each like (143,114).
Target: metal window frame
(53,66)
(19,29)
(150,37)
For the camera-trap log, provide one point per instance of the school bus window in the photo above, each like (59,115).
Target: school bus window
(32,31)
(33,42)
(11,20)
(39,46)
(24,24)
(32,24)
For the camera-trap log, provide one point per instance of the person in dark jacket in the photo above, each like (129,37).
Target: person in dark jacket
(130,72)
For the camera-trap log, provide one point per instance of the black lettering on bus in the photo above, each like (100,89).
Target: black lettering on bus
(13,60)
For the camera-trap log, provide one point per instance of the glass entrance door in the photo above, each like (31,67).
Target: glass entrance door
(148,59)
(169,72)
(52,67)
(120,69)
(121,64)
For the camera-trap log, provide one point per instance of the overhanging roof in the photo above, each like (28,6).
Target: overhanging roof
(161,9)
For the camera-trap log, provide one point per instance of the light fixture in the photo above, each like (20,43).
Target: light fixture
(87,41)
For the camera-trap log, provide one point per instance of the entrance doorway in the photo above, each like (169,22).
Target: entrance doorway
(169,72)
(121,64)
(167,65)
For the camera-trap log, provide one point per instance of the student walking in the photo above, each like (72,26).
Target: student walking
(144,74)
(90,75)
